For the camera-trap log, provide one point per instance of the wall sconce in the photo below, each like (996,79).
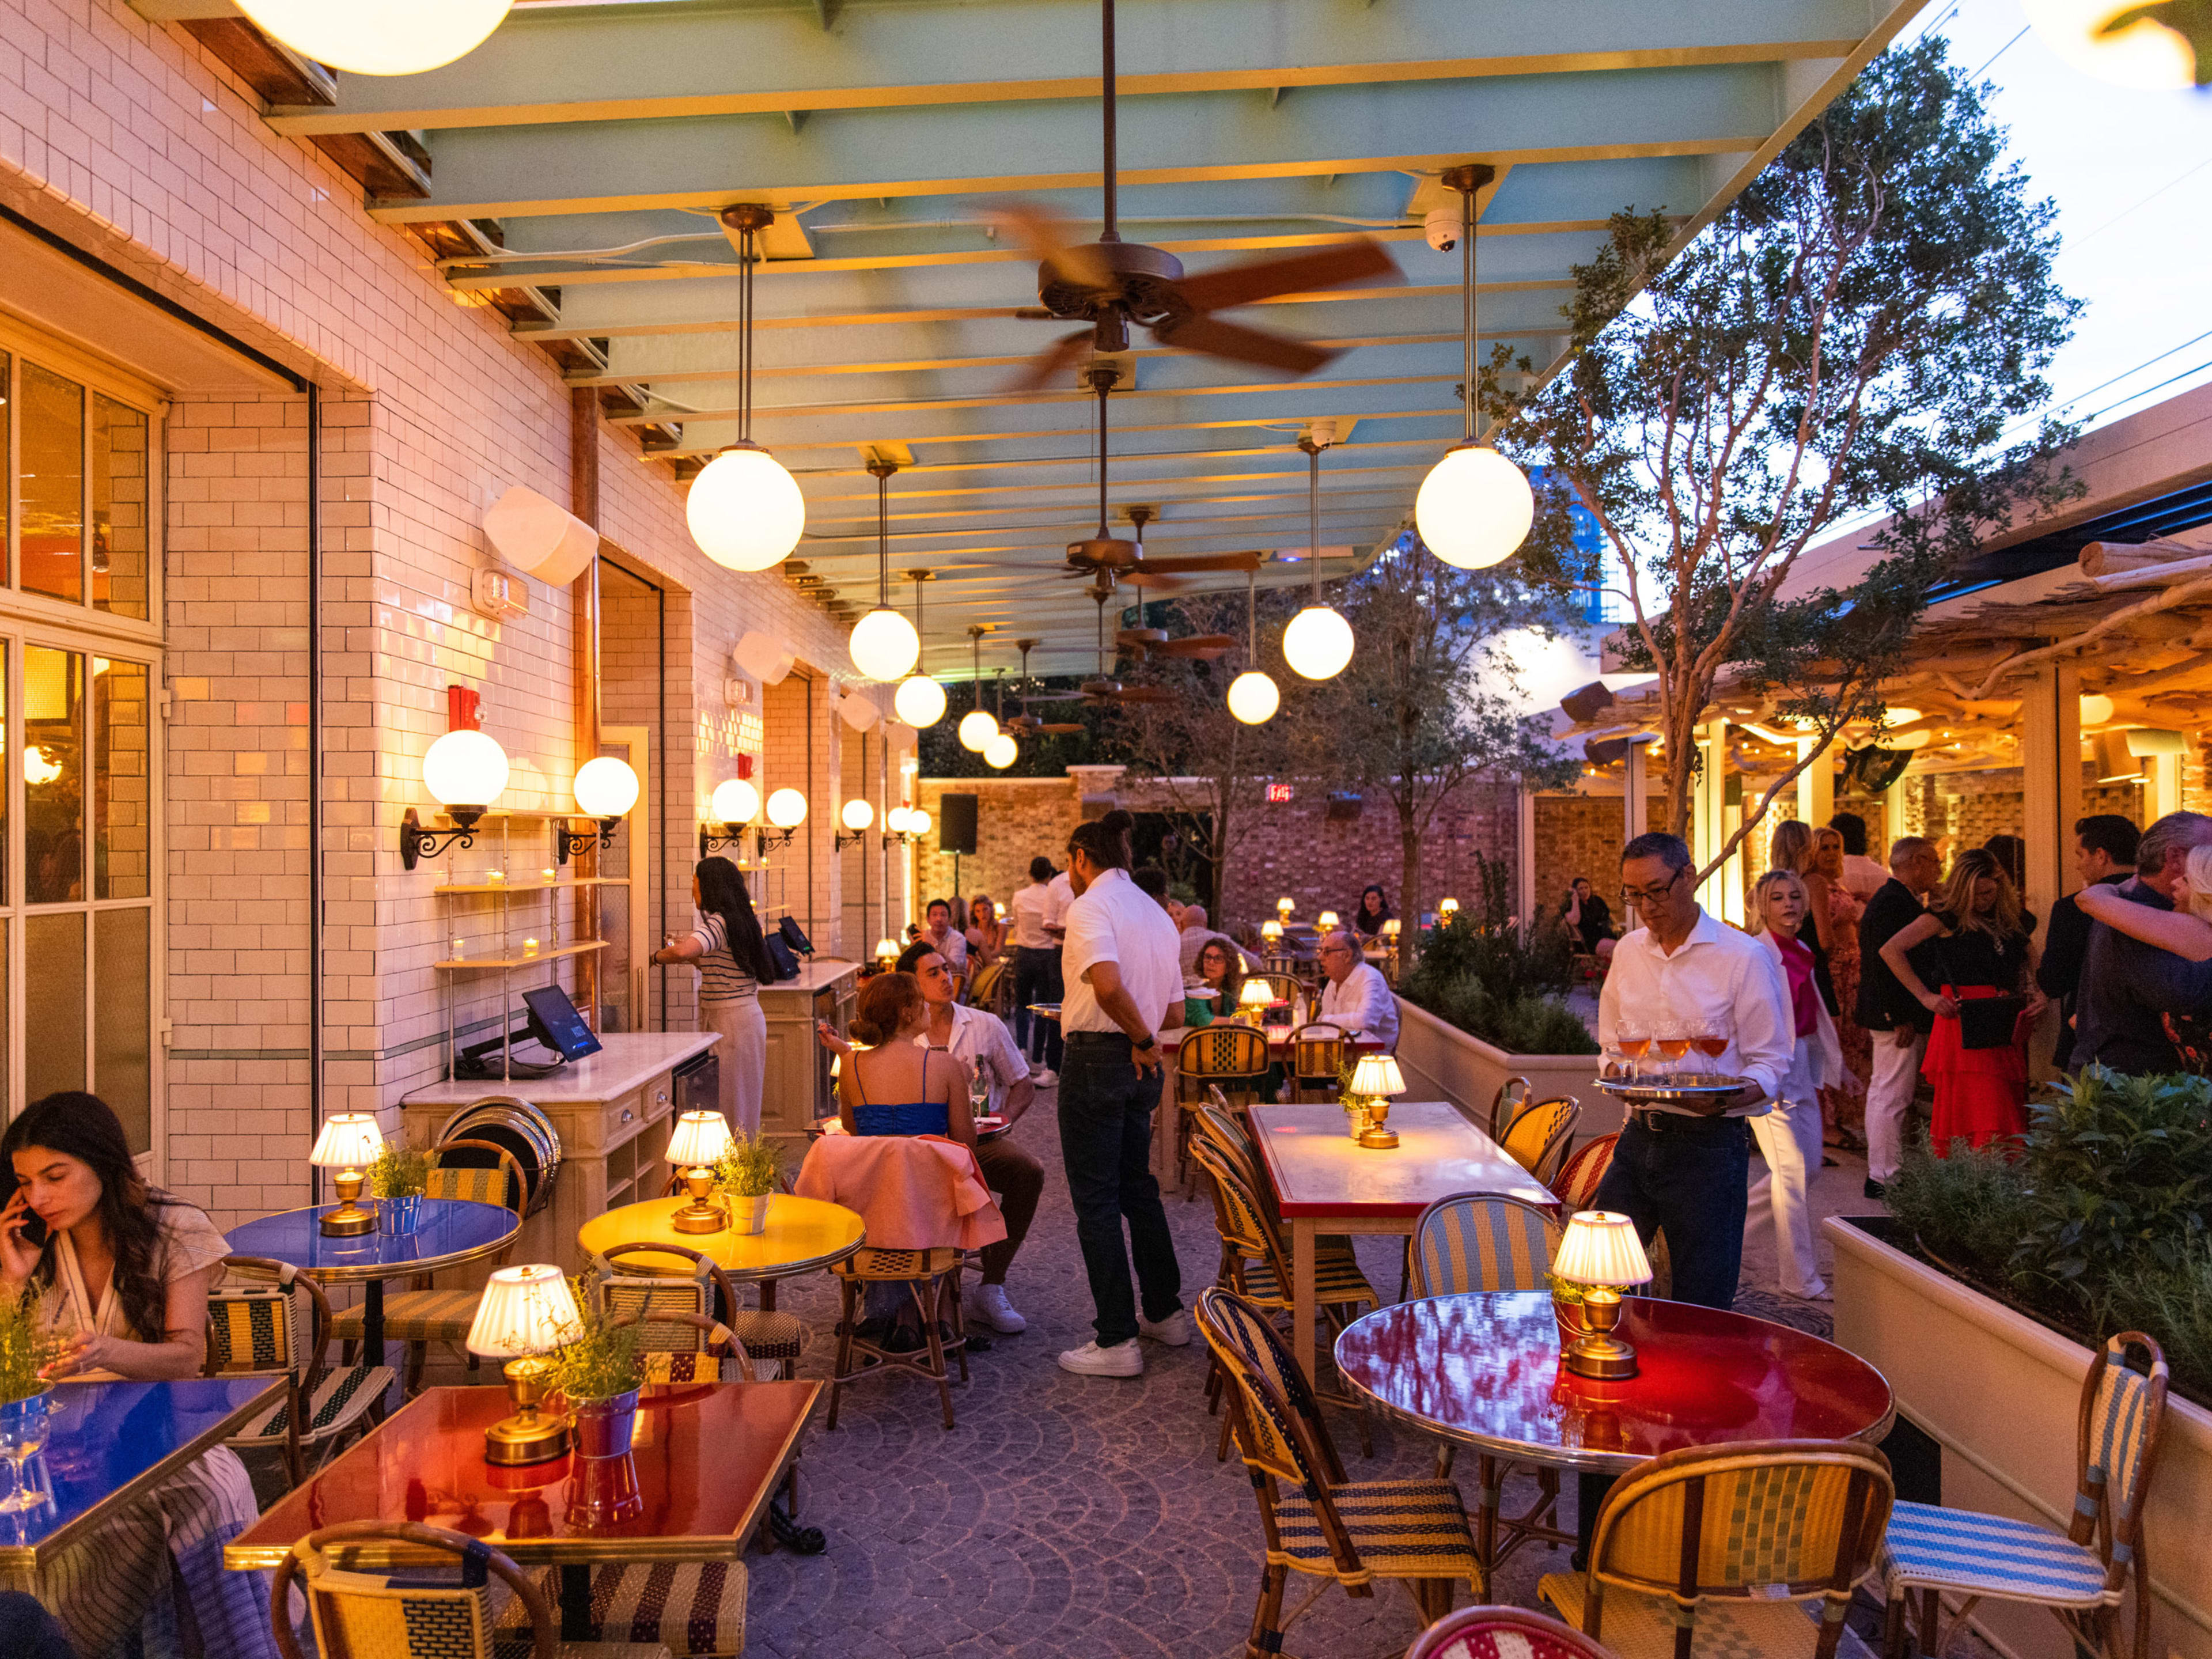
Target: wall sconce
(786,811)
(606,789)
(465,771)
(857,816)
(905,824)
(735,806)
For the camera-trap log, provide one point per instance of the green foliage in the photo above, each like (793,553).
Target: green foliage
(25,1346)
(749,1168)
(1484,973)
(1970,1208)
(597,1358)
(398,1172)
(1521,1023)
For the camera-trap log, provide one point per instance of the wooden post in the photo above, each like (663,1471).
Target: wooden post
(1524,862)
(584,598)
(1633,792)
(2051,774)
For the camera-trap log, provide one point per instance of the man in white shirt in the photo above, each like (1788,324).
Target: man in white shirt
(1676,1169)
(1122,978)
(1357,999)
(1037,966)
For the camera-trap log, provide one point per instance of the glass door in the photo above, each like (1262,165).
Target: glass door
(625,911)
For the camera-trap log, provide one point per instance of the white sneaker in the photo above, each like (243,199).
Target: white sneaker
(1044,1078)
(1173,1332)
(1122,1359)
(988,1304)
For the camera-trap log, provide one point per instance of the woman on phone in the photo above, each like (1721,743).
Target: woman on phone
(1788,1135)
(733,964)
(1975,936)
(120,1272)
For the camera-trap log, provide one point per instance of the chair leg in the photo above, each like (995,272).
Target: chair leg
(1892,1627)
(1221,1451)
(936,1349)
(418,1354)
(1266,1641)
(949,1290)
(1487,1478)
(842,1367)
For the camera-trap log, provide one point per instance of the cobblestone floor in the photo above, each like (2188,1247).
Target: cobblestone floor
(1073,1516)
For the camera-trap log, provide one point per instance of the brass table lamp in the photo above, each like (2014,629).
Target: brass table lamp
(1602,1253)
(700,1139)
(1374,1079)
(525,1312)
(349,1143)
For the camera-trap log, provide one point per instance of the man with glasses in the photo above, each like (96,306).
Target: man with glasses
(1683,970)
(1357,999)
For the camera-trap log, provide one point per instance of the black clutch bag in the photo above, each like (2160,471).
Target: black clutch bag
(1989,1022)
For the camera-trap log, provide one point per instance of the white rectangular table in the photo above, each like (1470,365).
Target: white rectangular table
(1326,1183)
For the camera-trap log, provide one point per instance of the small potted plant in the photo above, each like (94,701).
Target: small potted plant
(597,1370)
(397,1178)
(747,1173)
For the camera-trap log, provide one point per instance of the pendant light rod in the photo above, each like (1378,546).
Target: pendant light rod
(748,219)
(1313,448)
(881,470)
(1252,617)
(1112,231)
(919,577)
(976,632)
(1467,179)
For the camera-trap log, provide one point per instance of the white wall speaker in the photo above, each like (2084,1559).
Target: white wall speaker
(540,538)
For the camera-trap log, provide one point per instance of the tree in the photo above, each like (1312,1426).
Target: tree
(1861,332)
(1425,706)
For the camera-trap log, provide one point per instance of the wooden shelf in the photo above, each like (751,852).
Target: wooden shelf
(532,884)
(553,955)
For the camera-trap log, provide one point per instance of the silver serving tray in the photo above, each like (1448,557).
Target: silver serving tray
(1697,1090)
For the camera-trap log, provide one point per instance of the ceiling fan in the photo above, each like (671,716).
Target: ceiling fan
(1110,284)
(1030,725)
(1106,690)
(1154,643)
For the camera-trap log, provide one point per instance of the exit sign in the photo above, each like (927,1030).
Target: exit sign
(1277,791)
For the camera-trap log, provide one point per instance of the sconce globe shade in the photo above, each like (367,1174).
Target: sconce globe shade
(1001,752)
(895,820)
(393,37)
(920,701)
(1318,643)
(976,729)
(736,802)
(858,815)
(1474,508)
(606,788)
(1253,698)
(884,645)
(745,510)
(917,821)
(464,768)
(787,808)
(2146,54)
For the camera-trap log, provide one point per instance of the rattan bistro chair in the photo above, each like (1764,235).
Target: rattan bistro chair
(273,1320)
(1314,1061)
(932,1277)
(1495,1632)
(1513,1098)
(1226,1058)
(627,1284)
(2081,1577)
(1537,1139)
(1313,1519)
(1720,1547)
(363,1615)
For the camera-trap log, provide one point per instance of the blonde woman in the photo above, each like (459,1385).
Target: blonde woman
(985,934)
(1788,1136)
(1977,940)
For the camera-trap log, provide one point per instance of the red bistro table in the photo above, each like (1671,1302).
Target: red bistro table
(1327,1183)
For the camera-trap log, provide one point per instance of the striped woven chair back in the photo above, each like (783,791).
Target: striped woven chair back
(1537,1137)
(265,1320)
(670,1308)
(1236,1214)
(1235,1054)
(1495,1632)
(417,1615)
(498,1183)
(2122,1412)
(1317,1053)
(1283,1433)
(1764,1520)
(1285,986)
(1221,1126)
(1511,1099)
(1482,1242)
(1578,1179)
(717,1355)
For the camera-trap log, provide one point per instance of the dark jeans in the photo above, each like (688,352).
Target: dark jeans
(1019,1180)
(1036,979)
(1106,1137)
(1689,1179)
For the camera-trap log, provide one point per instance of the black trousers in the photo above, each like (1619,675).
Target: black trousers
(1106,1137)
(1689,1178)
(1036,979)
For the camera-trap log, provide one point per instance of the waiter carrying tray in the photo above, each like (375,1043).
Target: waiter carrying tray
(1683,969)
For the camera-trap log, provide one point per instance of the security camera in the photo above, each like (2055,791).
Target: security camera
(1442,227)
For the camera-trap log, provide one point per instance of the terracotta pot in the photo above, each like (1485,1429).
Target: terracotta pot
(603,1428)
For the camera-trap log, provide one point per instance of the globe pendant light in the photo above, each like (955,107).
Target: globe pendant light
(744,510)
(1318,642)
(883,644)
(1476,507)
(1001,752)
(389,37)
(919,700)
(977,727)
(1253,698)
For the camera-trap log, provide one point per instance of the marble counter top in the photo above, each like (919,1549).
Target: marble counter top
(629,1060)
(813,976)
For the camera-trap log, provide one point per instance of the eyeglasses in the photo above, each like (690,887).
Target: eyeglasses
(1641,895)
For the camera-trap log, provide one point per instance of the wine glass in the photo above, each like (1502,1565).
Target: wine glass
(1673,1041)
(1708,1039)
(1635,1041)
(979,1091)
(23,1429)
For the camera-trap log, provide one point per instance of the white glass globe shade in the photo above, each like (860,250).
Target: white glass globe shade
(976,729)
(606,788)
(1317,643)
(884,645)
(1001,752)
(895,820)
(858,815)
(1253,697)
(736,802)
(1474,508)
(390,37)
(464,768)
(917,822)
(745,510)
(919,702)
(787,808)
(2147,54)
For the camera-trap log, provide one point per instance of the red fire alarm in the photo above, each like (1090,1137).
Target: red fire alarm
(745,766)
(463,708)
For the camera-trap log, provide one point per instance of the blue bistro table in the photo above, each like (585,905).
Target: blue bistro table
(452,1230)
(111,1441)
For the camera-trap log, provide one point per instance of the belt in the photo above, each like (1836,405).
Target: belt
(1120,1037)
(1677,1123)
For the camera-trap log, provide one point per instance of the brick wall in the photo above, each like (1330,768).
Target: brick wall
(1581,836)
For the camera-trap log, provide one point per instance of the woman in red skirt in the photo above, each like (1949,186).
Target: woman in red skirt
(1974,943)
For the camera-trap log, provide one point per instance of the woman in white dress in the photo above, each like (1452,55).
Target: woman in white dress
(1790,1135)
(733,964)
(121,1273)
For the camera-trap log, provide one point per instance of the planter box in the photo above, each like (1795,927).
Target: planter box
(2001,1394)
(1442,1062)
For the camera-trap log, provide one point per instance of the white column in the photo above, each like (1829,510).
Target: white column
(1816,786)
(1721,895)
(2162,787)
(1893,818)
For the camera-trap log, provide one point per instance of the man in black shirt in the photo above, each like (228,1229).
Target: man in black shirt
(1899,1024)
(2126,985)
(2103,855)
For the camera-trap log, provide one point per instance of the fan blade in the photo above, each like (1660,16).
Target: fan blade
(1055,696)
(1060,729)
(1244,345)
(1046,234)
(1198,644)
(1154,694)
(1326,267)
(1191,562)
(1152,581)
(1136,636)
(1043,370)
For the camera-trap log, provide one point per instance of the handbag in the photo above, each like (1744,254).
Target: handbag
(779,956)
(1985,1022)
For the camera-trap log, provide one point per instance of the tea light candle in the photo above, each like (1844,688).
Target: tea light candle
(530,947)
(496,876)
(460,949)
(547,872)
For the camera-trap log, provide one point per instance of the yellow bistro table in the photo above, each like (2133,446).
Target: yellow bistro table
(802,1234)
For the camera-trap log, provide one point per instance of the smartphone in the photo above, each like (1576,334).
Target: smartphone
(34,1227)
